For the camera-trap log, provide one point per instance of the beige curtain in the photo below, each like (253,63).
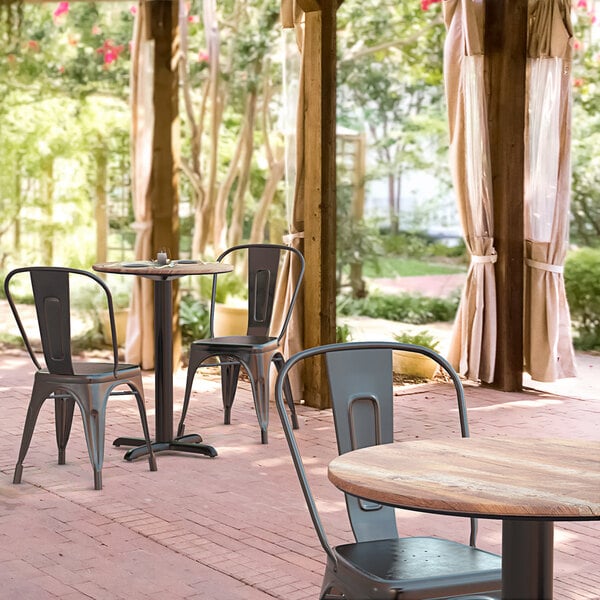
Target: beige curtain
(472,348)
(139,347)
(293,16)
(548,351)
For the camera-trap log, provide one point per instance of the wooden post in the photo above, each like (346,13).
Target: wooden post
(320,193)
(505,50)
(164,192)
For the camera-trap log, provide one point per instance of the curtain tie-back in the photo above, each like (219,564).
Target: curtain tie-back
(141,225)
(290,237)
(544,266)
(485,258)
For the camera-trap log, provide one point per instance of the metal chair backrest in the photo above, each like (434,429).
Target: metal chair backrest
(361,387)
(360,378)
(263,264)
(51,287)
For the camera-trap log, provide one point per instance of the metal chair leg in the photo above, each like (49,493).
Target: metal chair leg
(63,410)
(230,372)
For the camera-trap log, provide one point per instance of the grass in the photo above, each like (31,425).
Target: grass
(408,267)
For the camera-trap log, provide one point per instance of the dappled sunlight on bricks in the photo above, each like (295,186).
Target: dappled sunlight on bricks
(234,527)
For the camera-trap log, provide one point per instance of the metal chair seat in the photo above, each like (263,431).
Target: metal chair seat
(405,563)
(94,372)
(255,343)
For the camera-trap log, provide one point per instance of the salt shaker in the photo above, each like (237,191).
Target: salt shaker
(161,257)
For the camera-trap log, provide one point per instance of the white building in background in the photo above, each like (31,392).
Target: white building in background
(425,206)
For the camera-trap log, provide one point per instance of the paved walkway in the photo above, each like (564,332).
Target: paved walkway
(234,527)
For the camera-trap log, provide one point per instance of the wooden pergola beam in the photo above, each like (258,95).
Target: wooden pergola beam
(320,193)
(162,20)
(505,50)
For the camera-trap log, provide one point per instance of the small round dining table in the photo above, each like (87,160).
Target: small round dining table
(163,276)
(528,483)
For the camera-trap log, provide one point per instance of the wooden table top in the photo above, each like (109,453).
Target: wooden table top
(149,268)
(548,479)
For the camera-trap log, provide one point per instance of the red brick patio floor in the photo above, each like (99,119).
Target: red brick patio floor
(234,527)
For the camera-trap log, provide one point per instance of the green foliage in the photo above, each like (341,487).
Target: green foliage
(64,111)
(390,84)
(405,308)
(194,319)
(343,333)
(231,285)
(393,266)
(582,284)
(421,338)
(585,197)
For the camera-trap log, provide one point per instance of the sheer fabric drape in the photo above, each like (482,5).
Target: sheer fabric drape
(472,350)
(293,16)
(548,350)
(139,348)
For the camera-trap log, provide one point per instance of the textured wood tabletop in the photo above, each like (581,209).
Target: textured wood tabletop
(552,479)
(149,268)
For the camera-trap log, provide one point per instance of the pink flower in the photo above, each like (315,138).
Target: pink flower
(60,10)
(96,30)
(582,4)
(578,82)
(577,45)
(33,46)
(133,10)
(194,19)
(110,52)
(203,56)
(426,4)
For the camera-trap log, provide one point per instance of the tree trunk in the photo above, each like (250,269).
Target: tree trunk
(101,214)
(237,218)
(262,210)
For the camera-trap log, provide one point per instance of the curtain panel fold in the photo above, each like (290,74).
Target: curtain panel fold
(293,341)
(472,350)
(548,349)
(139,347)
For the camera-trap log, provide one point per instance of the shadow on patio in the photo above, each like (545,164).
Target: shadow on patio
(234,527)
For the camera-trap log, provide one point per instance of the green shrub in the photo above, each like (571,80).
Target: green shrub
(421,338)
(582,284)
(194,319)
(406,308)
(343,333)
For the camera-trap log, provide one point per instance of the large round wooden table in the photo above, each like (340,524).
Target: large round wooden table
(528,483)
(163,276)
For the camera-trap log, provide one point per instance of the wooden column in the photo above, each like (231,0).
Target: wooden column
(320,190)
(505,49)
(164,179)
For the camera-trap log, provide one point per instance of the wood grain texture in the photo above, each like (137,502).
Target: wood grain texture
(487,477)
(164,272)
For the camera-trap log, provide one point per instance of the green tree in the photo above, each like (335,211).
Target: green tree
(64,114)
(390,82)
(585,196)
(233,158)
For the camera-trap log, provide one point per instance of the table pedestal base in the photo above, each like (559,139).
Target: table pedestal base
(186,443)
(527,559)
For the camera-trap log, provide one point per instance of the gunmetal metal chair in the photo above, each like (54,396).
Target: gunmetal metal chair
(380,565)
(259,347)
(64,379)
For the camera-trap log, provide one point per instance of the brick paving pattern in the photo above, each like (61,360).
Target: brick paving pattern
(234,527)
